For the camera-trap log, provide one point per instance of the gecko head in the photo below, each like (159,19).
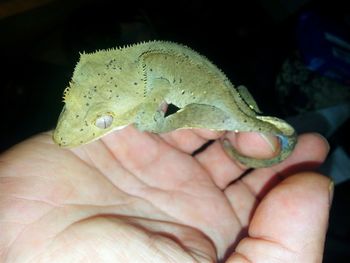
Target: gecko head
(86,117)
(103,96)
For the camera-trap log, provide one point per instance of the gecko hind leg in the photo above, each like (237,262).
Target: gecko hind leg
(197,115)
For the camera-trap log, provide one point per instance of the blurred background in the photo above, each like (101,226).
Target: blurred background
(294,56)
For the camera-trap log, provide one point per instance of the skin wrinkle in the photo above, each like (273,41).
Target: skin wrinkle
(145,187)
(56,237)
(198,254)
(218,165)
(278,243)
(253,193)
(153,240)
(236,216)
(95,166)
(148,187)
(112,154)
(26,227)
(14,240)
(44,215)
(152,188)
(161,209)
(278,177)
(92,165)
(97,206)
(242,256)
(50,179)
(25,176)
(155,237)
(139,178)
(35,257)
(139,171)
(35,200)
(205,168)
(71,227)
(176,220)
(77,236)
(173,141)
(149,200)
(45,201)
(164,215)
(105,174)
(155,155)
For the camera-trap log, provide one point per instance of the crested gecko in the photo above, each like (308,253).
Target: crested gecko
(111,89)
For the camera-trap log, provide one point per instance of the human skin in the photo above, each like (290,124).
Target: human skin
(141,197)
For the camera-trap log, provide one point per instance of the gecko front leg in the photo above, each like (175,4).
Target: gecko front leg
(152,111)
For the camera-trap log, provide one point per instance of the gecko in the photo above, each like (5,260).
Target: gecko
(134,84)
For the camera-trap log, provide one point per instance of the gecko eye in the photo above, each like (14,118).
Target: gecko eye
(104,122)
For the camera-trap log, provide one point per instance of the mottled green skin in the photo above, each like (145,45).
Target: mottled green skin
(132,84)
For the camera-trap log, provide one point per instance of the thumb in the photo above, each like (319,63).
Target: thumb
(291,222)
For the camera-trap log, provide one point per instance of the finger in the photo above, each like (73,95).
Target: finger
(256,145)
(310,151)
(242,201)
(189,140)
(146,156)
(290,223)
(99,156)
(244,194)
(222,168)
(132,148)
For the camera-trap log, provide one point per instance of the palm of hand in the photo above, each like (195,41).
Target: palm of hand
(129,197)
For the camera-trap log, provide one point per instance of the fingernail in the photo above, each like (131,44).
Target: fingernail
(324,139)
(270,140)
(331,191)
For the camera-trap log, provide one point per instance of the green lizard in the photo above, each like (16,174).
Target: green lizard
(111,89)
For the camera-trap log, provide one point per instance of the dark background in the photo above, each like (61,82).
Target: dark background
(40,41)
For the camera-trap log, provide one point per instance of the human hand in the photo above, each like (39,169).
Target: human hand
(140,197)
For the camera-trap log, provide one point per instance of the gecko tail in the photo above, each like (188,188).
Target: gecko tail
(287,144)
(286,135)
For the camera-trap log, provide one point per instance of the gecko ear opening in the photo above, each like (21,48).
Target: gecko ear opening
(104,121)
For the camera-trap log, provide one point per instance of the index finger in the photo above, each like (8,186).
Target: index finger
(222,168)
(189,140)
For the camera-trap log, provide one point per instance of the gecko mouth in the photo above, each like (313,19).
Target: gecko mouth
(61,136)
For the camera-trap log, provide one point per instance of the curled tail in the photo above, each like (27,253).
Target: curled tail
(286,135)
